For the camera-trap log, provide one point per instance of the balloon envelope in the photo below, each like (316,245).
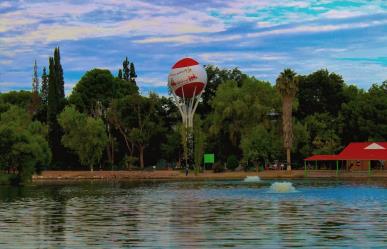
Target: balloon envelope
(187,78)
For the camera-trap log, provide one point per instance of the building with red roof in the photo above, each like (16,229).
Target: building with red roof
(357,156)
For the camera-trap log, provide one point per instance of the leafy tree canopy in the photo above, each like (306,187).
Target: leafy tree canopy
(23,146)
(320,92)
(99,85)
(83,134)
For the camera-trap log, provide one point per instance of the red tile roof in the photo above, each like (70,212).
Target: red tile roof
(357,151)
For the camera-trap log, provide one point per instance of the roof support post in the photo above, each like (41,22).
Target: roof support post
(316,165)
(305,172)
(337,167)
(369,168)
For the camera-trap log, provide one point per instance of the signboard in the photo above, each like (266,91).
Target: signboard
(209,158)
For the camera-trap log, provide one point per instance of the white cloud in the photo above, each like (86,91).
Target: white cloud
(152,81)
(317,28)
(235,56)
(67,22)
(8,84)
(186,39)
(341,14)
(6,62)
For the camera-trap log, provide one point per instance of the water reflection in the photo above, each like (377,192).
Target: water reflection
(193,214)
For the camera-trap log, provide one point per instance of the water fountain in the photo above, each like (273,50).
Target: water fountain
(252,179)
(282,187)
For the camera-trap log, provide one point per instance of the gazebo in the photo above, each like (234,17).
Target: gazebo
(357,156)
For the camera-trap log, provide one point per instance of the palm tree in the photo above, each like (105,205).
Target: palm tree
(287,86)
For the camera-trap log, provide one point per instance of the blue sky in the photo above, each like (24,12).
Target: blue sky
(259,37)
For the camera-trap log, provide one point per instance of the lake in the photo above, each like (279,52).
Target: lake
(194,214)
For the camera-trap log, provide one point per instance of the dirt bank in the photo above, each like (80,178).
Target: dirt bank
(178,175)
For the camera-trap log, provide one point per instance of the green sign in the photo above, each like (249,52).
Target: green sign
(209,158)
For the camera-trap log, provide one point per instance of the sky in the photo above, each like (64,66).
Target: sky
(260,37)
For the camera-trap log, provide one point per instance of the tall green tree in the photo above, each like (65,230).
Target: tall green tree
(85,135)
(59,74)
(199,143)
(119,74)
(126,69)
(44,87)
(287,86)
(132,74)
(56,102)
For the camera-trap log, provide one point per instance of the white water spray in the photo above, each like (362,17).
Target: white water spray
(252,179)
(282,187)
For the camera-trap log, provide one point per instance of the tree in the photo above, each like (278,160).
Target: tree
(132,74)
(260,146)
(21,98)
(320,92)
(59,74)
(23,147)
(323,130)
(44,88)
(94,94)
(287,86)
(56,103)
(171,148)
(216,77)
(136,118)
(364,118)
(98,86)
(146,122)
(119,74)
(236,109)
(85,135)
(199,143)
(301,144)
(126,69)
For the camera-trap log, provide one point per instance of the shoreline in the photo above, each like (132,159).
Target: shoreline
(208,175)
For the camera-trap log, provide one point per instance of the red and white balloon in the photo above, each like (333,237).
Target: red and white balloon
(187,78)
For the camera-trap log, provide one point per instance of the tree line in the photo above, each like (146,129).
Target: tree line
(105,123)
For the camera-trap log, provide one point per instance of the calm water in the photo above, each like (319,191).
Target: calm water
(211,214)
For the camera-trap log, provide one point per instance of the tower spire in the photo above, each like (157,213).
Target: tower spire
(35,80)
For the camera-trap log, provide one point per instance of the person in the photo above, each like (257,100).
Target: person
(186,171)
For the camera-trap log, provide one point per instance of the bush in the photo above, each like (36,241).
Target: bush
(232,162)
(10,179)
(5,179)
(162,164)
(218,167)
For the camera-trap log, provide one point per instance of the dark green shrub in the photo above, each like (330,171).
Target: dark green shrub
(218,167)
(5,179)
(232,162)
